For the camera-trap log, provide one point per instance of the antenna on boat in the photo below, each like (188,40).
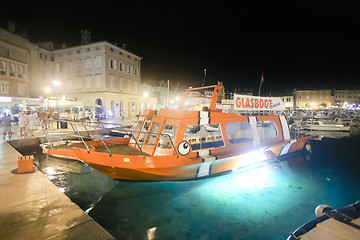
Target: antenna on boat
(204,77)
(261,81)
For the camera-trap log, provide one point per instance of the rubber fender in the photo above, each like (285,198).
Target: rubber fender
(321,209)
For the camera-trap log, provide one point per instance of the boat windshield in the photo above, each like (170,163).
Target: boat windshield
(168,133)
(154,132)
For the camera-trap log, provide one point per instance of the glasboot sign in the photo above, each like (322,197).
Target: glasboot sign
(245,102)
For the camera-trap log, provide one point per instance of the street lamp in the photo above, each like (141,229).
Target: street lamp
(56,84)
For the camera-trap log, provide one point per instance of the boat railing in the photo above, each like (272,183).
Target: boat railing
(102,134)
(140,144)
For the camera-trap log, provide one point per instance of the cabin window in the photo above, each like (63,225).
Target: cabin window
(266,130)
(154,131)
(239,132)
(167,136)
(204,136)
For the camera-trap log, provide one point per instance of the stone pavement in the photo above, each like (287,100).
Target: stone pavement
(32,207)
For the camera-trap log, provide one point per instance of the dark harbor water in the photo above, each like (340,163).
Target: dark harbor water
(267,202)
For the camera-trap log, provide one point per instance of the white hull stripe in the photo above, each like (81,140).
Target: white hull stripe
(286,148)
(204,169)
(285,127)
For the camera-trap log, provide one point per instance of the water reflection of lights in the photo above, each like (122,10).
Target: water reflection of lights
(49,171)
(255,178)
(150,233)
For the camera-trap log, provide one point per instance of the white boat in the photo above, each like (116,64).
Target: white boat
(318,125)
(322,115)
(333,224)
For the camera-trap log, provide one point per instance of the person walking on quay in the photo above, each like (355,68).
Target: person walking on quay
(6,124)
(33,122)
(43,115)
(81,115)
(22,123)
(51,119)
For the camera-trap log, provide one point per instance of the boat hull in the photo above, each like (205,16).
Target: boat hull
(173,168)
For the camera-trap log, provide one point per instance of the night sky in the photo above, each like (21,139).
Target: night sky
(298,44)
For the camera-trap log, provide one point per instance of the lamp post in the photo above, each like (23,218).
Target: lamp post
(56,84)
(47,90)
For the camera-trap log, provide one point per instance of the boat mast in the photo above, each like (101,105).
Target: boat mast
(261,81)
(204,77)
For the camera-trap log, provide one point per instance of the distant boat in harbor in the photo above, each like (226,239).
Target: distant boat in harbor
(318,125)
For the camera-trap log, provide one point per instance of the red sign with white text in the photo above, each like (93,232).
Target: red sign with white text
(245,102)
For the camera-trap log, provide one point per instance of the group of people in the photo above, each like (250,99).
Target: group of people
(28,122)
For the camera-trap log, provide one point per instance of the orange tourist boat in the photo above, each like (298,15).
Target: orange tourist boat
(186,144)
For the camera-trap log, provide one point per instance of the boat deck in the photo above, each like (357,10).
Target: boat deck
(332,229)
(123,149)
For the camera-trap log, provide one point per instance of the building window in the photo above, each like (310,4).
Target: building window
(69,66)
(112,82)
(307,97)
(78,65)
(3,65)
(111,49)
(87,63)
(121,66)
(88,81)
(4,87)
(128,69)
(97,48)
(112,64)
(129,85)
(120,53)
(12,67)
(59,67)
(98,81)
(131,69)
(121,83)
(135,70)
(98,61)
(20,69)
(78,82)
(21,89)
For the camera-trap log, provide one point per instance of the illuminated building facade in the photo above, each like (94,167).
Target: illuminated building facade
(314,99)
(100,74)
(288,101)
(347,97)
(24,66)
